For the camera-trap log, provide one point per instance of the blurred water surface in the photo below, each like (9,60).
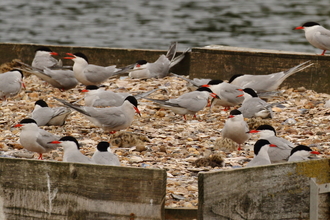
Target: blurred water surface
(149,24)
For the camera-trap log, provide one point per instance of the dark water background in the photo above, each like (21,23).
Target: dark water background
(147,24)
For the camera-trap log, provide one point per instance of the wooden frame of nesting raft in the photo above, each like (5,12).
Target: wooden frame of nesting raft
(280,191)
(31,189)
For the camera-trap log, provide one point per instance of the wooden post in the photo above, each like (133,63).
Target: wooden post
(280,191)
(31,189)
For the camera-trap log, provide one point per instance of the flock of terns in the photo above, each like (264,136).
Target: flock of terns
(116,111)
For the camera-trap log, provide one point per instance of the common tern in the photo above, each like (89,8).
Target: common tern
(277,154)
(71,152)
(103,156)
(34,138)
(11,83)
(188,103)
(229,95)
(253,106)
(98,97)
(43,58)
(236,128)
(110,119)
(89,74)
(301,153)
(266,83)
(316,35)
(160,68)
(261,156)
(44,115)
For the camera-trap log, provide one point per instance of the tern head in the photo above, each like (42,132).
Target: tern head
(264,128)
(20,71)
(25,121)
(234,77)
(103,146)
(250,92)
(307,25)
(261,143)
(90,87)
(134,102)
(302,148)
(41,103)
(234,113)
(206,89)
(66,139)
(76,55)
(47,50)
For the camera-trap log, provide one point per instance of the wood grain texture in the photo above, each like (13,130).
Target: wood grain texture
(224,62)
(31,189)
(266,192)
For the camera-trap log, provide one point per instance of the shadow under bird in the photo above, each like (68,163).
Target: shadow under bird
(34,138)
(301,153)
(90,74)
(110,119)
(188,103)
(266,83)
(102,155)
(261,156)
(236,128)
(160,68)
(11,83)
(316,35)
(277,154)
(44,115)
(71,152)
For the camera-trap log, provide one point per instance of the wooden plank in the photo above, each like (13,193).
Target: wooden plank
(31,189)
(279,191)
(180,214)
(96,55)
(221,62)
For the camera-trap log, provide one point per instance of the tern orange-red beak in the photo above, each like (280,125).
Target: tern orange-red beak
(54,142)
(298,28)
(315,152)
(137,110)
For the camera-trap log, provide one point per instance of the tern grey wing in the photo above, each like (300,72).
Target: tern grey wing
(107,117)
(44,138)
(105,158)
(64,77)
(42,115)
(160,68)
(98,74)
(10,84)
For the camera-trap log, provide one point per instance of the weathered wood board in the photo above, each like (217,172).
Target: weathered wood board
(280,191)
(221,62)
(31,189)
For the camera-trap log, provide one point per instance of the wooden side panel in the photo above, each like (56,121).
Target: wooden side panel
(224,62)
(31,189)
(265,192)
